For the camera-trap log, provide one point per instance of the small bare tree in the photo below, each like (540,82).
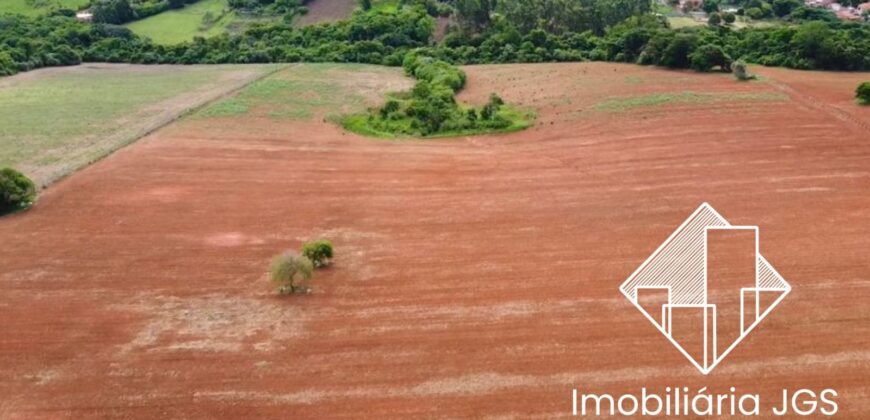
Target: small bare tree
(291,272)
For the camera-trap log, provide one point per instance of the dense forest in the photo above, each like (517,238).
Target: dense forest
(511,31)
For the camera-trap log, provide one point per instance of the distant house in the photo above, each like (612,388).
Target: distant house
(84,16)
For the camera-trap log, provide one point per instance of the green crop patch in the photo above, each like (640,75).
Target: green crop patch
(687,97)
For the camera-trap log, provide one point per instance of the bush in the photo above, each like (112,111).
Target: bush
(16,191)
(291,272)
(740,72)
(863,93)
(319,252)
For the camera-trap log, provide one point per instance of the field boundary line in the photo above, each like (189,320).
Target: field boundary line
(814,103)
(158,124)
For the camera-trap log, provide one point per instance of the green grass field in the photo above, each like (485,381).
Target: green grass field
(37,7)
(56,121)
(174,26)
(304,91)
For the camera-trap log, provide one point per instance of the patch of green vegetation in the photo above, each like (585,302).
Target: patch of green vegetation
(227,108)
(204,18)
(658,99)
(38,7)
(678,22)
(57,122)
(386,6)
(363,124)
(295,95)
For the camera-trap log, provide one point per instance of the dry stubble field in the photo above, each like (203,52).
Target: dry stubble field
(475,277)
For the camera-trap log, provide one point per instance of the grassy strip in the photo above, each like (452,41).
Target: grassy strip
(687,97)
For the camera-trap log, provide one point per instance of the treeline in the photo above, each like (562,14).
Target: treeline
(647,40)
(385,38)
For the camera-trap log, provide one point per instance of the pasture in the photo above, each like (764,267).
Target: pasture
(37,7)
(474,276)
(56,120)
(204,18)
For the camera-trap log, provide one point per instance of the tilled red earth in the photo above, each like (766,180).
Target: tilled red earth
(475,277)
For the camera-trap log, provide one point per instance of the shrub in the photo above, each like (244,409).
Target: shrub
(714,19)
(863,93)
(740,72)
(16,190)
(291,272)
(319,252)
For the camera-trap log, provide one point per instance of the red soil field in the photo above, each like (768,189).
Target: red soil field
(475,277)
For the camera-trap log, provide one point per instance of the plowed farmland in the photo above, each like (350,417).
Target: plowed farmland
(474,277)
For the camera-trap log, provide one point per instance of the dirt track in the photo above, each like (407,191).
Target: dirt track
(475,277)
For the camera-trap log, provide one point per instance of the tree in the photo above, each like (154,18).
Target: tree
(16,191)
(319,252)
(677,53)
(862,93)
(728,17)
(290,272)
(474,15)
(711,6)
(708,56)
(714,20)
(112,11)
(365,4)
(783,8)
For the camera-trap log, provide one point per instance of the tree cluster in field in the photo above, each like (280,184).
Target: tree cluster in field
(430,108)
(122,11)
(502,33)
(17,192)
(291,271)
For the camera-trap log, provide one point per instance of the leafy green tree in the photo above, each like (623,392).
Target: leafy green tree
(708,56)
(16,190)
(112,11)
(474,15)
(711,6)
(365,4)
(783,8)
(319,252)
(862,93)
(714,20)
(677,53)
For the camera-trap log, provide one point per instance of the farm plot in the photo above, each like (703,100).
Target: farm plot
(474,277)
(204,18)
(53,121)
(38,7)
(327,11)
